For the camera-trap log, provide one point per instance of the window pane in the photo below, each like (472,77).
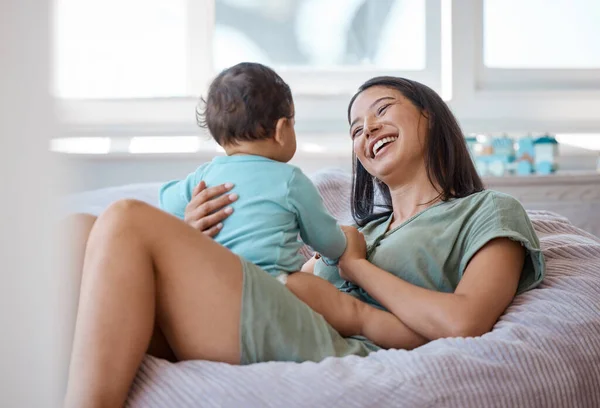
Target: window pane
(542,33)
(321,34)
(120,49)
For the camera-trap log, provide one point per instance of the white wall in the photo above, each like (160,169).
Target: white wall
(33,361)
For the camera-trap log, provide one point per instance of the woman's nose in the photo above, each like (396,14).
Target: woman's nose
(372,128)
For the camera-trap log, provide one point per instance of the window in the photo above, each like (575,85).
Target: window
(329,47)
(120,49)
(539,45)
(321,34)
(114,49)
(541,34)
(135,68)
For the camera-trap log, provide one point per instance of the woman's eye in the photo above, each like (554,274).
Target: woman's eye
(356,132)
(382,109)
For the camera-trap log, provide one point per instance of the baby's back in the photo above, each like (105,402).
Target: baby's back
(277,204)
(263,228)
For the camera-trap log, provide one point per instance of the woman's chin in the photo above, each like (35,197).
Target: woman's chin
(384,162)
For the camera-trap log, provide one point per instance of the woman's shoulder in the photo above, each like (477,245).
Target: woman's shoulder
(494,201)
(489,196)
(488,211)
(492,212)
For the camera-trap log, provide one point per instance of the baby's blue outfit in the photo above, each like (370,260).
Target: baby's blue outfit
(276,203)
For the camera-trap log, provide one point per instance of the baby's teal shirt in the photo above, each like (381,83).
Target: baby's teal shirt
(277,203)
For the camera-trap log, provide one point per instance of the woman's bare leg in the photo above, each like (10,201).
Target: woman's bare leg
(77,228)
(144,267)
(74,231)
(351,317)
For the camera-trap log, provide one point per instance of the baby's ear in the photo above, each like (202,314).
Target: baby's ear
(280,130)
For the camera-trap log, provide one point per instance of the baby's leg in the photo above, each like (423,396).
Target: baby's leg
(348,315)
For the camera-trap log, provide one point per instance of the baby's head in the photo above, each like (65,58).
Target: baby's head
(249,110)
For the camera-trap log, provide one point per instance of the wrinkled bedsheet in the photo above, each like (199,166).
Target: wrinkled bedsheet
(543,352)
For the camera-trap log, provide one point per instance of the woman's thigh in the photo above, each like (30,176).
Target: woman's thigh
(198,283)
(75,230)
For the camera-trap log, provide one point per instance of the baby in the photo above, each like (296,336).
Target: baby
(249,111)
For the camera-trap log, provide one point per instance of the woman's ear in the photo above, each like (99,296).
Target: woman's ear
(280,129)
(427,116)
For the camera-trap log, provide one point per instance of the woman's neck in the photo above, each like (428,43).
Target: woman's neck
(412,197)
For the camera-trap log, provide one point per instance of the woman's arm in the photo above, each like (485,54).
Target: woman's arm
(488,286)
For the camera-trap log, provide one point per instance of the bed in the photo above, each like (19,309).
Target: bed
(543,352)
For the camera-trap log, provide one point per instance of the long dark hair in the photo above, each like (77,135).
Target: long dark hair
(447,158)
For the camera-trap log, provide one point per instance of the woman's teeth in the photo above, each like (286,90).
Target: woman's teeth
(382,142)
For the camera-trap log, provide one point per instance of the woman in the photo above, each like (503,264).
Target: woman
(445,256)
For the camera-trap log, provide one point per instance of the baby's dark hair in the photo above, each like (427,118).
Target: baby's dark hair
(244,103)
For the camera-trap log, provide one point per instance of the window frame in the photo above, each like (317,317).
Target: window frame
(533,79)
(307,81)
(483,99)
(496,100)
(313,89)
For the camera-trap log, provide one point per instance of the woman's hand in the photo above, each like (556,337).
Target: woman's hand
(356,250)
(205,210)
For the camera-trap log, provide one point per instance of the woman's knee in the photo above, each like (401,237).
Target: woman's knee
(122,215)
(127,206)
(125,210)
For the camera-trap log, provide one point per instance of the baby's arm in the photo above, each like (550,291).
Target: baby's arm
(175,195)
(351,317)
(318,228)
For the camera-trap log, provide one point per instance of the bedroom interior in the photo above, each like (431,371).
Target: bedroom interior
(130,122)
(103,114)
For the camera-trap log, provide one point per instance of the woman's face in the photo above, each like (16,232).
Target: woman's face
(388,133)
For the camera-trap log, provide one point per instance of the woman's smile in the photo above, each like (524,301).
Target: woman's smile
(379,144)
